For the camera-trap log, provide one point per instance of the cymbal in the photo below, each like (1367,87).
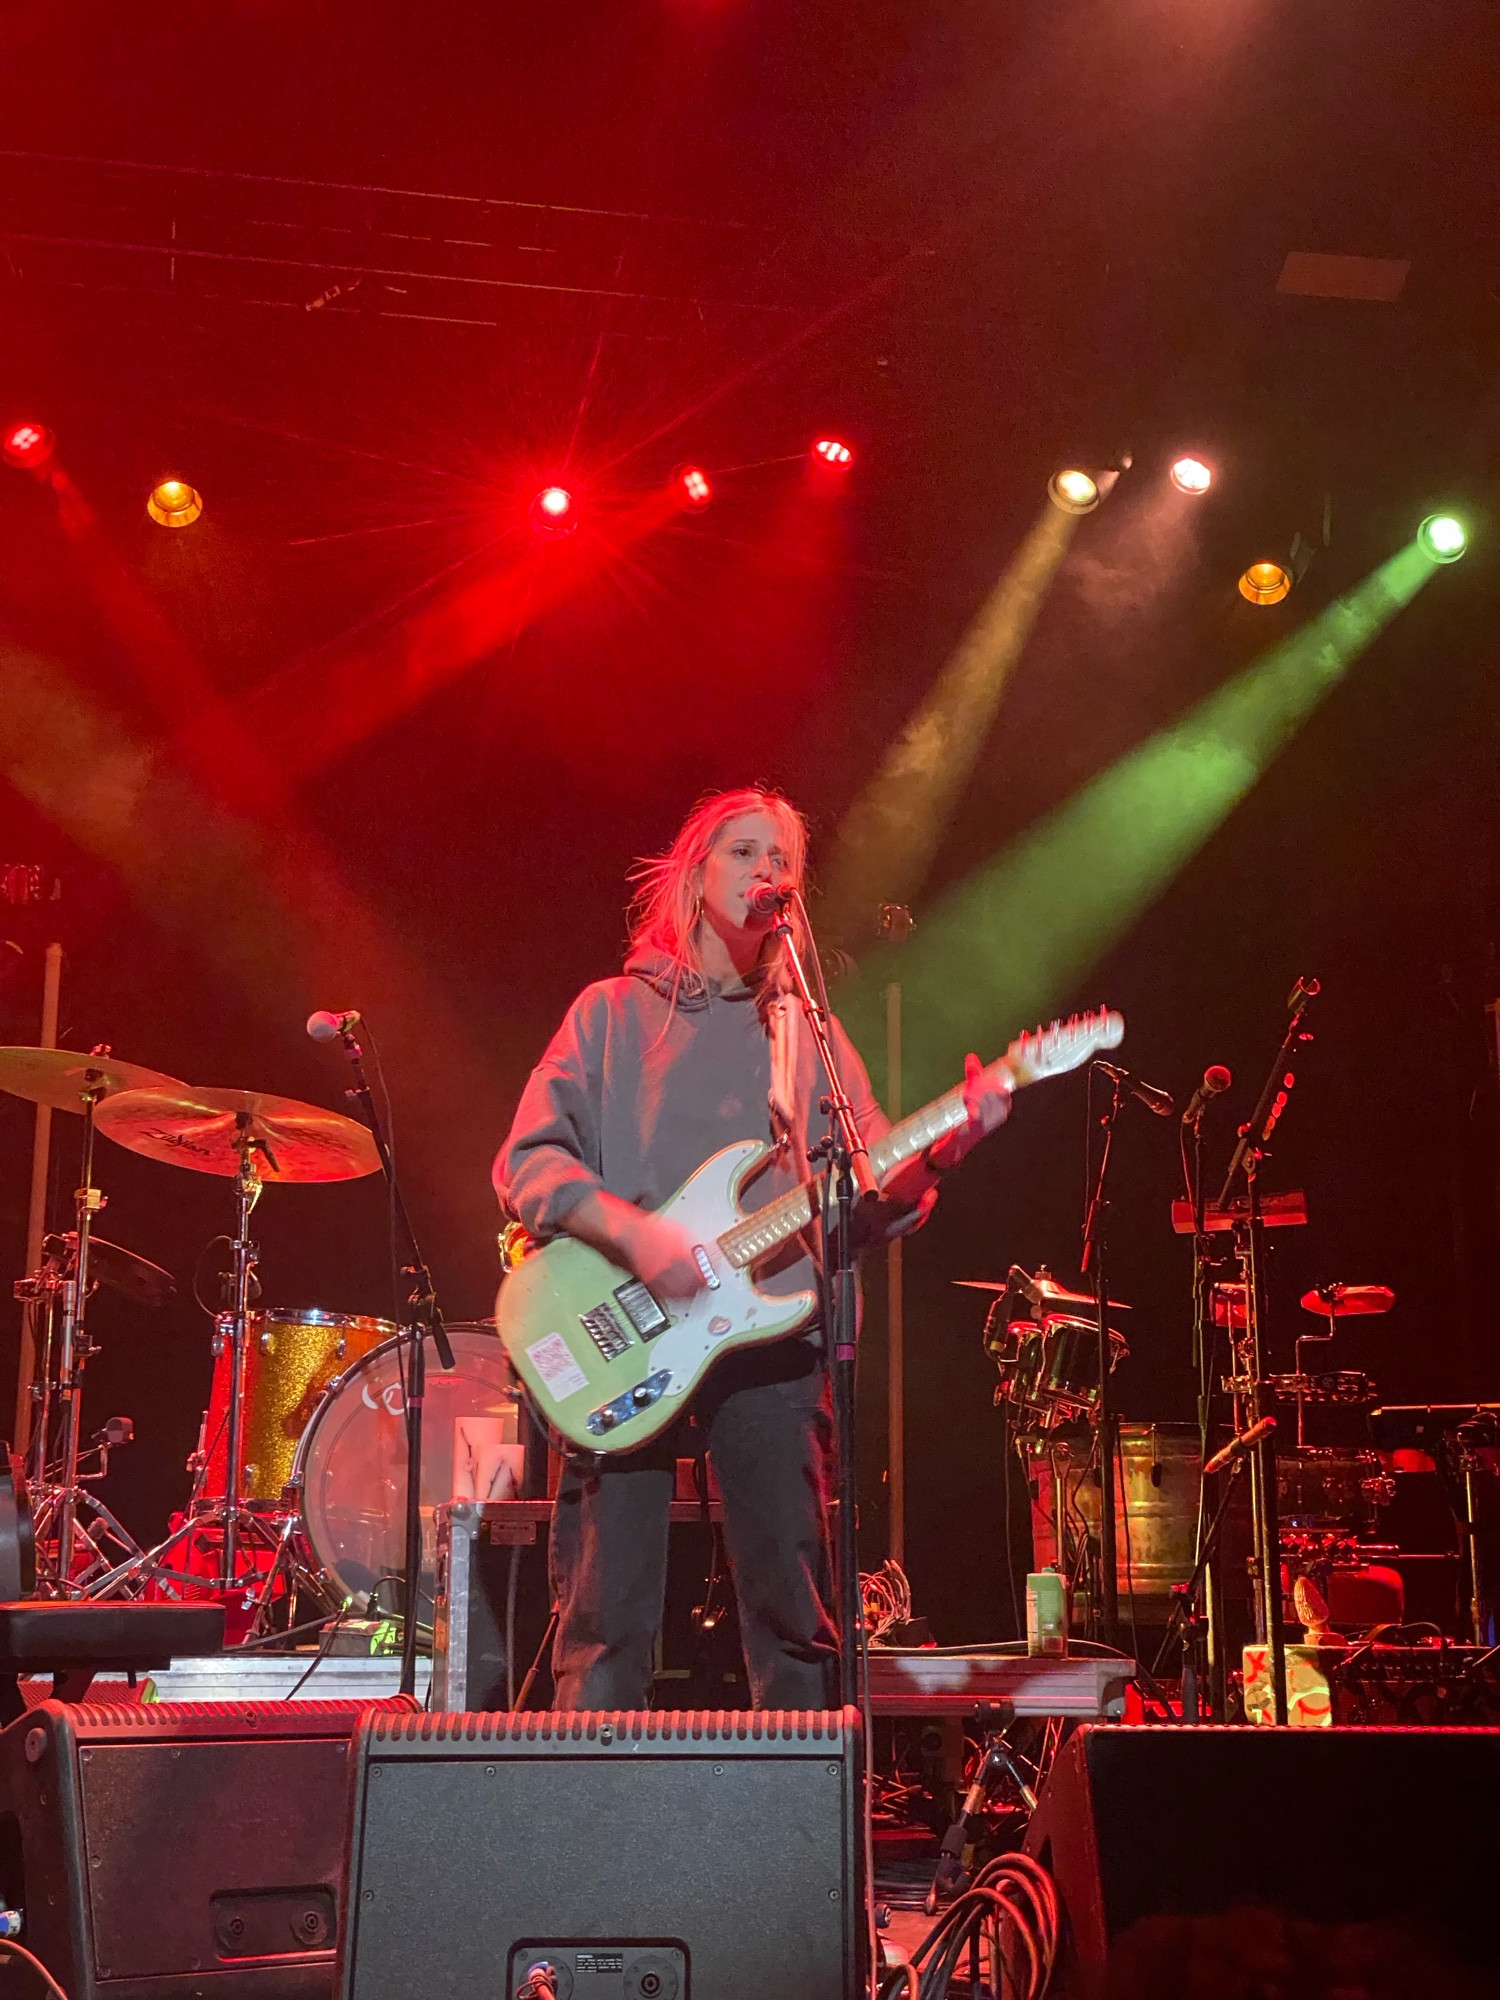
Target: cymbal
(203,1129)
(60,1077)
(1053,1293)
(125,1271)
(1347,1301)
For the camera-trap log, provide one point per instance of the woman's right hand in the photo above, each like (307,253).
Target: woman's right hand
(660,1252)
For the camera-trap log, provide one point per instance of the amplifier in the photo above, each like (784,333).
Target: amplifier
(1391,1828)
(660,1855)
(166,1849)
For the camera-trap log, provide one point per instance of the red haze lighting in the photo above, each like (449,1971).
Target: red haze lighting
(28,446)
(834,452)
(553,511)
(1191,475)
(694,485)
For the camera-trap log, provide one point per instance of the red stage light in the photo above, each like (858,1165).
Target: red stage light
(693,483)
(28,446)
(834,452)
(553,512)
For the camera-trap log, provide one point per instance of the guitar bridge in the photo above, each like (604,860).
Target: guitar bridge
(603,1327)
(641,1397)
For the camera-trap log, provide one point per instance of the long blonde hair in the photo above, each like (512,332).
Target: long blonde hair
(668,904)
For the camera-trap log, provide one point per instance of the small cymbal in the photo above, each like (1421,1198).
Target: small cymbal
(125,1271)
(1054,1293)
(1348,1301)
(62,1077)
(205,1129)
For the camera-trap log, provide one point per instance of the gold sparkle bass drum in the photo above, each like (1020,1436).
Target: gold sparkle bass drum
(609,1365)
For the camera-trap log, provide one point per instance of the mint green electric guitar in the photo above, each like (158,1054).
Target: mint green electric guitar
(609,1365)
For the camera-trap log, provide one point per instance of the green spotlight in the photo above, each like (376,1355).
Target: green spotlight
(1443,537)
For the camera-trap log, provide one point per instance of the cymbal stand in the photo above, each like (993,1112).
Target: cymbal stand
(74,1347)
(244,1256)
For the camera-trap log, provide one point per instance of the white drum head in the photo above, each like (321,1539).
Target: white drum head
(352,1461)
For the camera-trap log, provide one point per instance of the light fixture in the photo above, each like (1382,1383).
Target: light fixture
(834,452)
(1074,490)
(554,511)
(174,504)
(1191,475)
(28,446)
(1443,537)
(1265,583)
(693,486)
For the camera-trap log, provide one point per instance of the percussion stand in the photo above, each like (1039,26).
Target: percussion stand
(1250,1370)
(425,1318)
(1093,1260)
(244,1256)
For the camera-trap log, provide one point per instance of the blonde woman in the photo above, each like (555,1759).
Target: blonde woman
(696,1045)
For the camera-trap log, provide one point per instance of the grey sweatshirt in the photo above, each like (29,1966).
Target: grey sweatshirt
(636,1090)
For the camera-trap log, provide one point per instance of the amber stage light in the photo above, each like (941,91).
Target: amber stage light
(1075,491)
(174,504)
(1265,583)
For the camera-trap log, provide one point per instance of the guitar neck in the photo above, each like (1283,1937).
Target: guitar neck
(791,1212)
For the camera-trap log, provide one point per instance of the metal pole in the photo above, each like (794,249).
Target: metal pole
(895,1305)
(36,1219)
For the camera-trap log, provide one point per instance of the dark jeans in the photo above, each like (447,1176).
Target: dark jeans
(768,1427)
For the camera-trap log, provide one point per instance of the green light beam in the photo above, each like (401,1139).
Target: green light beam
(999,950)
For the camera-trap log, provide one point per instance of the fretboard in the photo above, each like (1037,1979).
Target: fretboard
(761,1232)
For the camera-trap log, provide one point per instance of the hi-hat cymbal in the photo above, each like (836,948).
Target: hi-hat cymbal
(206,1129)
(125,1271)
(1053,1293)
(62,1078)
(1346,1301)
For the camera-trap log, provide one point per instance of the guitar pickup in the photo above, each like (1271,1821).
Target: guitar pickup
(641,1397)
(641,1309)
(603,1327)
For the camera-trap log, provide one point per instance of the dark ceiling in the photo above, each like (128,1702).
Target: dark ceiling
(367,275)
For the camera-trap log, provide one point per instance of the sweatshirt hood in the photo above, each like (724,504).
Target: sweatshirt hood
(686,988)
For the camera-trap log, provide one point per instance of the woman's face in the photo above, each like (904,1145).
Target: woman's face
(747,851)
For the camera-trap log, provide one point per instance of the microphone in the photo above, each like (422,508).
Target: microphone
(1159,1101)
(767,901)
(1302,992)
(1216,1080)
(1022,1281)
(325,1027)
(1238,1446)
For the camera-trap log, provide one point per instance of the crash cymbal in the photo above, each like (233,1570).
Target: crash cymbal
(1052,1293)
(124,1271)
(1346,1301)
(61,1077)
(204,1130)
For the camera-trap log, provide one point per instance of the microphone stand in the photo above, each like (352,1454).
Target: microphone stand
(426,1318)
(1093,1259)
(1250,1246)
(849,1164)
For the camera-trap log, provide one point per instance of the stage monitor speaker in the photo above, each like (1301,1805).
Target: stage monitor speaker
(661,1855)
(1339,1826)
(172,1850)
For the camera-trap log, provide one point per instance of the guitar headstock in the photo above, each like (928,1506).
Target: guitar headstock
(1065,1045)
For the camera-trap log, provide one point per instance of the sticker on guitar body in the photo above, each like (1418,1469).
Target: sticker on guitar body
(556,1366)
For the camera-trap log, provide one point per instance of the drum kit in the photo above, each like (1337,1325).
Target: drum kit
(1044,1341)
(300,1472)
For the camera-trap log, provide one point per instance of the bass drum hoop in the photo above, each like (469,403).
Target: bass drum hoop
(477,1337)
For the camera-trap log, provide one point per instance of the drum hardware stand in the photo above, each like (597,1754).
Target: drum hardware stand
(850,1171)
(1093,1260)
(1250,1368)
(1187,1620)
(425,1318)
(996,1760)
(1205,1643)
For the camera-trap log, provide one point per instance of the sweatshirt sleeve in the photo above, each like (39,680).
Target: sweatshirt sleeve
(551,1158)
